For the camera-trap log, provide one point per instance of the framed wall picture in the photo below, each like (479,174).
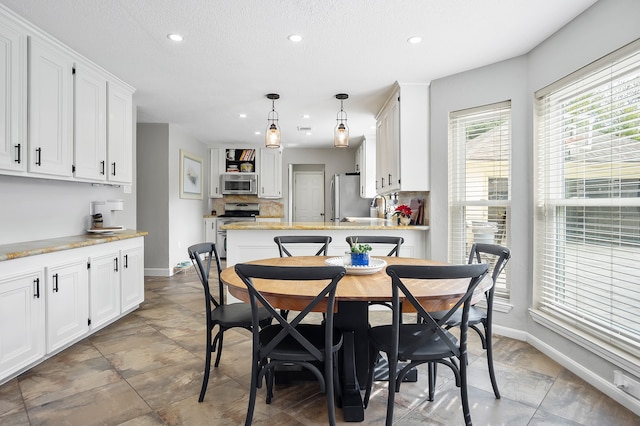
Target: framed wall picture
(190,176)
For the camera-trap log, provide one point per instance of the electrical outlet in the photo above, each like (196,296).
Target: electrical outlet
(626,383)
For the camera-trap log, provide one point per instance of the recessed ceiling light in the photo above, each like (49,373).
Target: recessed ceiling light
(306,116)
(242,115)
(256,132)
(175,37)
(308,133)
(296,38)
(414,40)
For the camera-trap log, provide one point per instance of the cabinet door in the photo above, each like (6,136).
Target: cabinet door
(119,134)
(132,278)
(50,109)
(216,157)
(22,326)
(104,288)
(210,230)
(90,147)
(67,300)
(270,173)
(393,146)
(381,143)
(13,98)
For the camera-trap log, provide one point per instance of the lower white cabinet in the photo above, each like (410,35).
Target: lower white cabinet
(131,278)
(104,288)
(210,229)
(52,300)
(67,300)
(22,325)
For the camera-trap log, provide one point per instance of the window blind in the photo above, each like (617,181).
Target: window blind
(480,181)
(587,223)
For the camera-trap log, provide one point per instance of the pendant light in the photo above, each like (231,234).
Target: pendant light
(272,138)
(341,133)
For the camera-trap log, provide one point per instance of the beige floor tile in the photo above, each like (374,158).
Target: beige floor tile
(107,405)
(141,359)
(11,400)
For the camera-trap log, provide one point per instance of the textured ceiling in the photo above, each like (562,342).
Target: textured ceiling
(236,51)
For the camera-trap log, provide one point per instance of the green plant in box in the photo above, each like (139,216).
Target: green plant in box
(359,254)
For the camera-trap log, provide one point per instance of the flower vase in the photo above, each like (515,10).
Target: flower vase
(359,259)
(405,220)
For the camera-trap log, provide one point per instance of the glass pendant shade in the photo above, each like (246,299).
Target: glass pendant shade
(341,132)
(272,135)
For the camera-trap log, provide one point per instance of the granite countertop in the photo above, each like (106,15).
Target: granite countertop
(33,248)
(370,224)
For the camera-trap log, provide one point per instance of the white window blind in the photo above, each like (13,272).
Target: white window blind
(480,181)
(587,226)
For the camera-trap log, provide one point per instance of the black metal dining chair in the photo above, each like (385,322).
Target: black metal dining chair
(290,342)
(225,316)
(284,243)
(428,341)
(498,256)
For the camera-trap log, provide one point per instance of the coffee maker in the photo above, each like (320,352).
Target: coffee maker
(108,211)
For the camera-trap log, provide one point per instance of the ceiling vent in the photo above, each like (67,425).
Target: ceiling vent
(304,129)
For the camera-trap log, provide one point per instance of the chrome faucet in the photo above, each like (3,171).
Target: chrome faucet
(384,212)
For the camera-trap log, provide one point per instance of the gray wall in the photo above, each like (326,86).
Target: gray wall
(603,28)
(173,223)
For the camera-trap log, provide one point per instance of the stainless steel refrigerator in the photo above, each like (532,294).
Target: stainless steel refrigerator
(345,197)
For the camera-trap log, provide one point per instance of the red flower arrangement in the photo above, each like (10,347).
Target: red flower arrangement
(403,210)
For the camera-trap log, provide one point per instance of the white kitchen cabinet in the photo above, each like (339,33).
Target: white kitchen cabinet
(104,288)
(119,133)
(366,166)
(67,300)
(132,275)
(216,168)
(402,140)
(50,109)
(270,173)
(13,97)
(210,229)
(90,139)
(22,318)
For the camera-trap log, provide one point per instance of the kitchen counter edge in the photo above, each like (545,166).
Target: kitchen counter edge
(257,226)
(34,248)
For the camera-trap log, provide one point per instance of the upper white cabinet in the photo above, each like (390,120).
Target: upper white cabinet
(50,109)
(119,133)
(366,166)
(90,145)
(402,140)
(270,173)
(217,167)
(61,116)
(13,97)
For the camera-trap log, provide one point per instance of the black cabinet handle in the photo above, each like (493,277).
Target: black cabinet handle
(115,260)
(126,261)
(18,152)
(102,164)
(55,283)
(389,178)
(36,282)
(114,168)
(38,156)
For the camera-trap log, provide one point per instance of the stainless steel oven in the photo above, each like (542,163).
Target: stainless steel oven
(233,212)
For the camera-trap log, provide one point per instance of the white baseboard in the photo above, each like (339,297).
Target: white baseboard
(158,272)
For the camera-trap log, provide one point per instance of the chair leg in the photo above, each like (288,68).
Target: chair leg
(492,373)
(329,393)
(269,378)
(432,369)
(464,394)
(373,356)
(391,394)
(207,367)
(255,368)
(219,338)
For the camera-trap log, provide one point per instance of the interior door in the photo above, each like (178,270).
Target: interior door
(308,196)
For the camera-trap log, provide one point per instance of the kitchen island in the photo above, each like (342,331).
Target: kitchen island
(254,240)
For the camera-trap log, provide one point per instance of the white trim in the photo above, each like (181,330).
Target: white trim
(158,272)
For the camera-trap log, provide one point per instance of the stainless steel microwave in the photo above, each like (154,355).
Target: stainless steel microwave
(239,183)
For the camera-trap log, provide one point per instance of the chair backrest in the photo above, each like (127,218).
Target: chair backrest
(400,274)
(493,254)
(201,256)
(395,242)
(295,277)
(302,239)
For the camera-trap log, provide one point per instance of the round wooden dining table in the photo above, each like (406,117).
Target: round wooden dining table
(355,291)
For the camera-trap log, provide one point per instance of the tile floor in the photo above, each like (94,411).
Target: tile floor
(146,369)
